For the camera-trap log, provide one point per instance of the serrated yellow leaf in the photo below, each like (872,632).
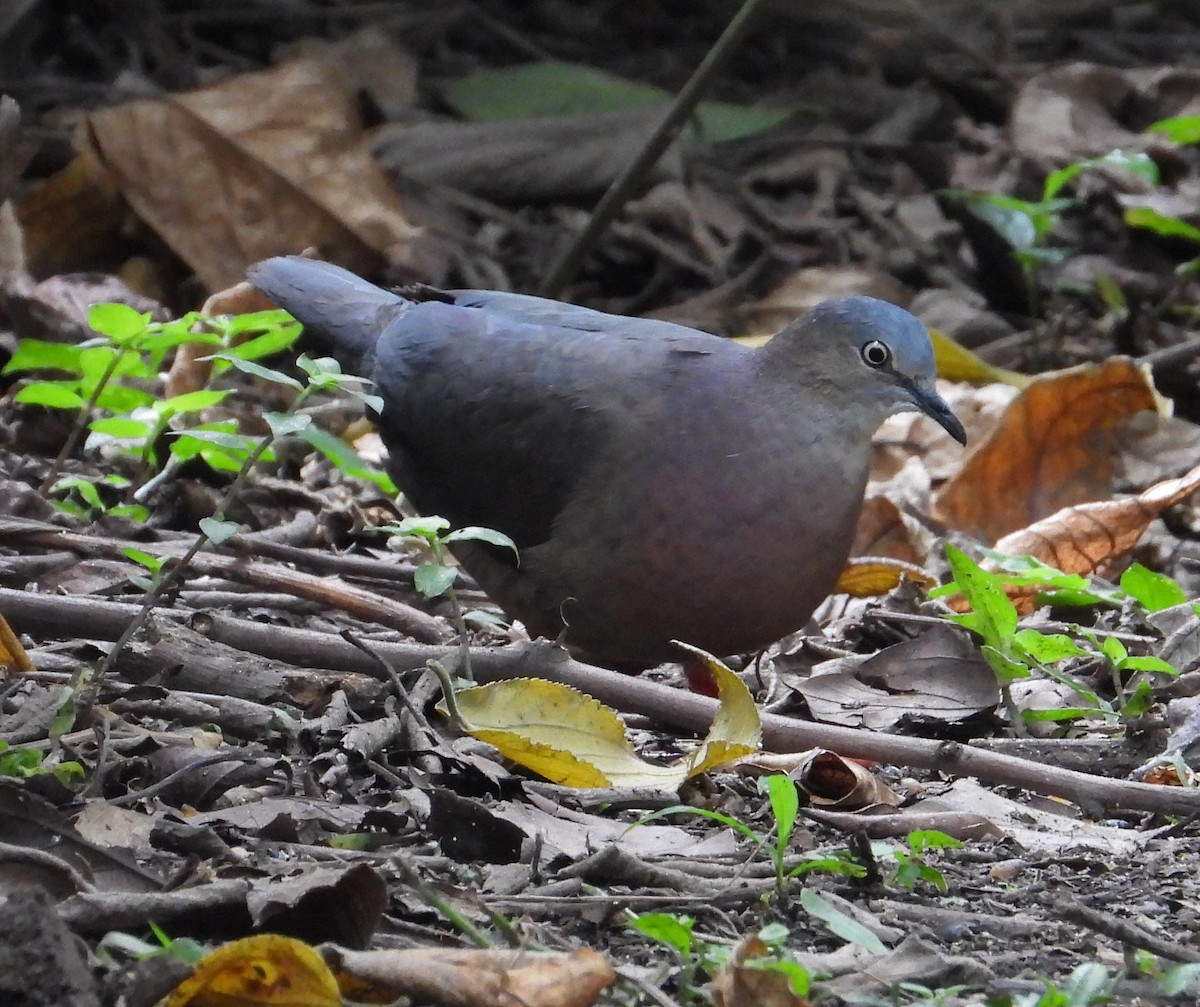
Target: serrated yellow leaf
(577,741)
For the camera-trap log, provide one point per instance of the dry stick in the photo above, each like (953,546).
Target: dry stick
(1125,931)
(663,136)
(43,615)
(175,574)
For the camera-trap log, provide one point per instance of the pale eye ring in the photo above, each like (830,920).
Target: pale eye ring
(876,354)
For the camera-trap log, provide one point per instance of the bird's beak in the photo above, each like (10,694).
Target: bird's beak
(927,400)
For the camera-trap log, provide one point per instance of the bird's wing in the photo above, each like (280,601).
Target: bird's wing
(493,419)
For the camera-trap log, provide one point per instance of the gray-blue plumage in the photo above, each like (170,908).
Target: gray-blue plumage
(660,483)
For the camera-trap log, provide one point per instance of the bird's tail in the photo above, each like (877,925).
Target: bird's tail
(342,312)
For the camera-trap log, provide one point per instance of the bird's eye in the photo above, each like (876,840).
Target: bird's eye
(876,354)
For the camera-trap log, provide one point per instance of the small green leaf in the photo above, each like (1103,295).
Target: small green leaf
(1149,663)
(1155,591)
(221,438)
(55,394)
(1177,979)
(133,512)
(839,923)
(1006,669)
(785,805)
(346,459)
(35,354)
(433,580)
(190,402)
(219,531)
(672,930)
(428,528)
(1161,224)
(83,487)
(1139,702)
(1179,129)
(148,560)
(996,617)
(1047,648)
(284,424)
(257,370)
(798,977)
(920,840)
(473,533)
(121,427)
(1114,650)
(64,713)
(277,338)
(119,322)
(319,367)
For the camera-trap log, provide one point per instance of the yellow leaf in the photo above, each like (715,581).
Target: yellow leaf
(957,363)
(263,971)
(577,741)
(868,576)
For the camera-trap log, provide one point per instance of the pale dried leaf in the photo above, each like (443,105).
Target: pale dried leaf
(259,164)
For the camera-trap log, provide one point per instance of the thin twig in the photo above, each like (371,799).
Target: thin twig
(663,136)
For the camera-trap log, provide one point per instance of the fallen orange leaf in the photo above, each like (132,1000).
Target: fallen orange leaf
(1051,449)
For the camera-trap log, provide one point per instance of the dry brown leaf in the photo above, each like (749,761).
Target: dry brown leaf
(1081,539)
(882,532)
(259,164)
(486,978)
(75,216)
(828,778)
(1051,449)
(738,985)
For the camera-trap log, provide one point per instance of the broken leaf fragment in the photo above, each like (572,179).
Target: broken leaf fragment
(267,970)
(576,741)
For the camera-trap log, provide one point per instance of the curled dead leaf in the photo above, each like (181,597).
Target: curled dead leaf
(1083,539)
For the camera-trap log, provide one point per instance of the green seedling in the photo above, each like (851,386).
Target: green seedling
(1027,225)
(1089,985)
(911,866)
(83,498)
(116,943)
(1014,653)
(785,806)
(22,763)
(438,577)
(106,379)
(700,954)
(323,374)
